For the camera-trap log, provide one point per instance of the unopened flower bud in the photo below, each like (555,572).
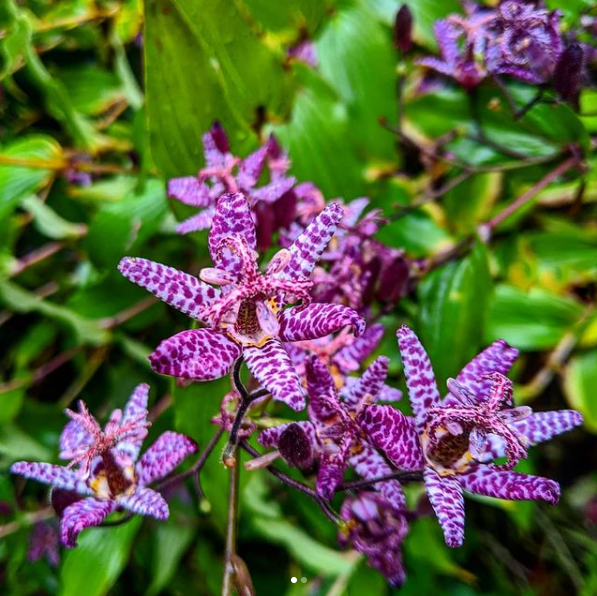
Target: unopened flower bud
(61,499)
(568,72)
(403,29)
(295,447)
(219,137)
(393,281)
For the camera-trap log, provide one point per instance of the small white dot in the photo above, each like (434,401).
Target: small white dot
(293,580)
(304,580)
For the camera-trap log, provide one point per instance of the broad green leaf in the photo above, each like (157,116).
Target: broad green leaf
(48,222)
(453,310)
(199,71)
(289,17)
(16,445)
(122,227)
(17,36)
(534,320)
(22,170)
(580,386)
(99,559)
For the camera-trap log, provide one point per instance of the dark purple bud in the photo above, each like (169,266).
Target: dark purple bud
(61,499)
(220,138)
(266,225)
(393,280)
(370,276)
(295,447)
(285,209)
(5,508)
(274,150)
(568,72)
(403,25)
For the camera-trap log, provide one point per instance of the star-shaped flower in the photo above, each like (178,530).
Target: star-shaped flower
(226,173)
(248,315)
(376,528)
(334,431)
(105,467)
(453,439)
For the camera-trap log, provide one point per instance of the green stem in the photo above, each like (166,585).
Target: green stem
(231,528)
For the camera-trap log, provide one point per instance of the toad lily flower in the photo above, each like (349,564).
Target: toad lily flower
(335,432)
(104,466)
(377,529)
(453,439)
(246,316)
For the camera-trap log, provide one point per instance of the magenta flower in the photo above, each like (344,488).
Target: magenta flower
(247,316)
(337,437)
(376,528)
(226,173)
(106,469)
(453,439)
(45,542)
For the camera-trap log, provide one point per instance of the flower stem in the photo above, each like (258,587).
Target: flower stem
(231,527)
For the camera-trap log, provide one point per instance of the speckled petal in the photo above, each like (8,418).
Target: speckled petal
(163,456)
(135,410)
(369,464)
(498,357)
(56,476)
(250,168)
(350,357)
(318,320)
(83,514)
(271,366)
(180,290)
(201,354)
(189,190)
(512,486)
(145,501)
(542,426)
(420,380)
(322,392)
(331,470)
(394,434)
(445,494)
(309,246)
(232,219)
(369,384)
(271,192)
(199,221)
(73,439)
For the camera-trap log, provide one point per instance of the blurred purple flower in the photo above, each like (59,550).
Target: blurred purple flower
(247,315)
(44,541)
(475,424)
(304,51)
(105,467)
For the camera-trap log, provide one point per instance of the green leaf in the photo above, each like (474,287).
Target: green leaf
(580,383)
(289,16)
(48,222)
(19,181)
(454,302)
(534,320)
(200,70)
(100,557)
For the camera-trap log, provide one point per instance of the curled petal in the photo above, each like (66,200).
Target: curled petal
(445,494)
(86,513)
(180,290)
(163,456)
(219,277)
(145,501)
(201,354)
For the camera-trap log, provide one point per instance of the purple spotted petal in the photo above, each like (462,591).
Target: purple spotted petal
(86,513)
(273,191)
(394,434)
(216,147)
(56,476)
(189,190)
(369,384)
(369,464)
(331,471)
(232,218)
(145,501)
(135,410)
(542,426)
(420,380)
(309,246)
(180,290)
(163,456)
(445,495)
(498,357)
(513,486)
(250,168)
(73,440)
(270,436)
(350,357)
(322,392)
(318,320)
(271,366)
(200,221)
(201,354)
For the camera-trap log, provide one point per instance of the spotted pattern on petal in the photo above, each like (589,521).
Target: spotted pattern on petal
(189,190)
(350,357)
(201,354)
(318,320)
(163,456)
(489,482)
(180,290)
(270,436)
(394,434)
(145,501)
(56,476)
(445,494)
(370,383)
(309,246)
(271,366)
(420,380)
(83,514)
(200,221)
(73,439)
(542,426)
